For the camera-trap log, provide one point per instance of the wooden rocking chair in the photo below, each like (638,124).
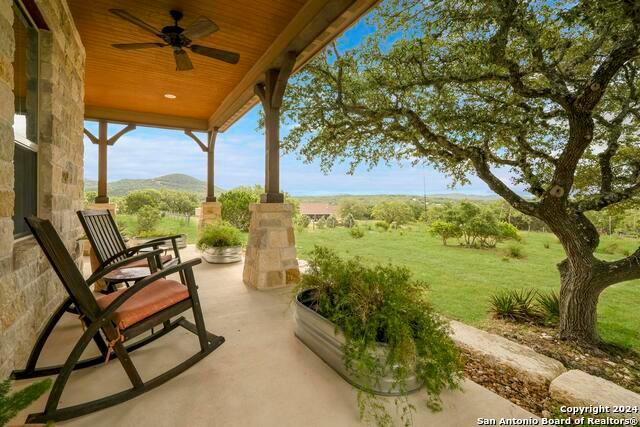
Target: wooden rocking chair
(109,246)
(113,320)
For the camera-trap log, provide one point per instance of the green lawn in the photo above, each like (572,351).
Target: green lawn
(168,226)
(462,279)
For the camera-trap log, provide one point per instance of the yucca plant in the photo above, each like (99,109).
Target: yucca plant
(549,304)
(515,304)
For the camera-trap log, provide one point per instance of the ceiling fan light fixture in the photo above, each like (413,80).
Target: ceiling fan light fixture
(169,96)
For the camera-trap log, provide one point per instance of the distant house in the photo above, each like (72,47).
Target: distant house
(315,211)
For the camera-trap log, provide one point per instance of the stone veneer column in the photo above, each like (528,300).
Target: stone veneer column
(209,212)
(271,261)
(102,206)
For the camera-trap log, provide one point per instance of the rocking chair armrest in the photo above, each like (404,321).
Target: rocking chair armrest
(174,243)
(101,272)
(164,238)
(127,252)
(138,286)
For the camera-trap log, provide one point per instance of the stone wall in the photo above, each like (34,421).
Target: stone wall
(29,289)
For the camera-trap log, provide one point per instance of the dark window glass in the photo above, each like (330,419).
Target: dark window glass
(25,120)
(26,188)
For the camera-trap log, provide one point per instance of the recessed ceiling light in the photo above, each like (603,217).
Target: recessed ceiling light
(169,96)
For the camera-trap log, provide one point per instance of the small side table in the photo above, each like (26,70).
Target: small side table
(120,275)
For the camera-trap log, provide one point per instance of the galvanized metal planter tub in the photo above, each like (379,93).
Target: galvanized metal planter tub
(321,336)
(222,255)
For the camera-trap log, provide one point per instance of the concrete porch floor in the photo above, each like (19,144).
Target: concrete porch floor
(261,376)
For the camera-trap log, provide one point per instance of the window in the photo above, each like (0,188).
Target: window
(25,119)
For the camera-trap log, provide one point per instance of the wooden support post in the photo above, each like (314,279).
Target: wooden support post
(211,197)
(208,148)
(102,163)
(103,141)
(270,93)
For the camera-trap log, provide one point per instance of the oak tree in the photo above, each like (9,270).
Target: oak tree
(537,97)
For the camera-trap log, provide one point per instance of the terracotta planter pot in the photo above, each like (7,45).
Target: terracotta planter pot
(222,255)
(325,340)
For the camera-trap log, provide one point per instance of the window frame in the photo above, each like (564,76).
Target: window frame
(20,140)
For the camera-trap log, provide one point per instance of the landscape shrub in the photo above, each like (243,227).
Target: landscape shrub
(321,223)
(384,304)
(515,251)
(445,230)
(349,221)
(219,234)
(549,303)
(478,227)
(138,199)
(356,232)
(382,225)
(181,203)
(235,205)
(389,212)
(302,221)
(148,219)
(515,304)
(332,222)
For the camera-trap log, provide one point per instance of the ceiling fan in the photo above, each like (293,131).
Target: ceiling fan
(178,39)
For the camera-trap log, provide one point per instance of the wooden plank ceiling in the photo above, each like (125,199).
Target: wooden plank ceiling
(136,81)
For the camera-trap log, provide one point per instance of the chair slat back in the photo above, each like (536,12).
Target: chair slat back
(102,231)
(64,265)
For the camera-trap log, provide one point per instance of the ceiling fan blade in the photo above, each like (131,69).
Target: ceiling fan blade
(183,62)
(136,21)
(199,28)
(130,46)
(222,55)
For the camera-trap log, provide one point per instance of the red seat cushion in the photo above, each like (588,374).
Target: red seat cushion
(150,300)
(145,262)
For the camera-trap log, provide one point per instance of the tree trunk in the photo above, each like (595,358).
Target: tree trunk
(579,294)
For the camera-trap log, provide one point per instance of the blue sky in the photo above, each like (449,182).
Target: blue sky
(240,159)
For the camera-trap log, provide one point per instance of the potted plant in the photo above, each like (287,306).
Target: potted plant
(220,243)
(375,327)
(11,404)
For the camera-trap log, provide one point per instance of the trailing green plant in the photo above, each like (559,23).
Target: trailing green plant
(219,234)
(11,404)
(515,304)
(384,304)
(549,304)
(515,251)
(356,232)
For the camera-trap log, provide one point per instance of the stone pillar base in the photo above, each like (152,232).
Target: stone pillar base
(271,260)
(102,206)
(210,212)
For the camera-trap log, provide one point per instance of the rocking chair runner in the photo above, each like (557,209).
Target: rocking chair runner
(109,246)
(112,321)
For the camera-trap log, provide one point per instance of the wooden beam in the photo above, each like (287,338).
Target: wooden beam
(204,147)
(122,131)
(92,137)
(316,24)
(145,119)
(283,77)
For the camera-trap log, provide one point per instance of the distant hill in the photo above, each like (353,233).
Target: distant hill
(377,198)
(175,181)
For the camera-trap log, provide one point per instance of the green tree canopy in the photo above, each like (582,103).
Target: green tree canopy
(536,95)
